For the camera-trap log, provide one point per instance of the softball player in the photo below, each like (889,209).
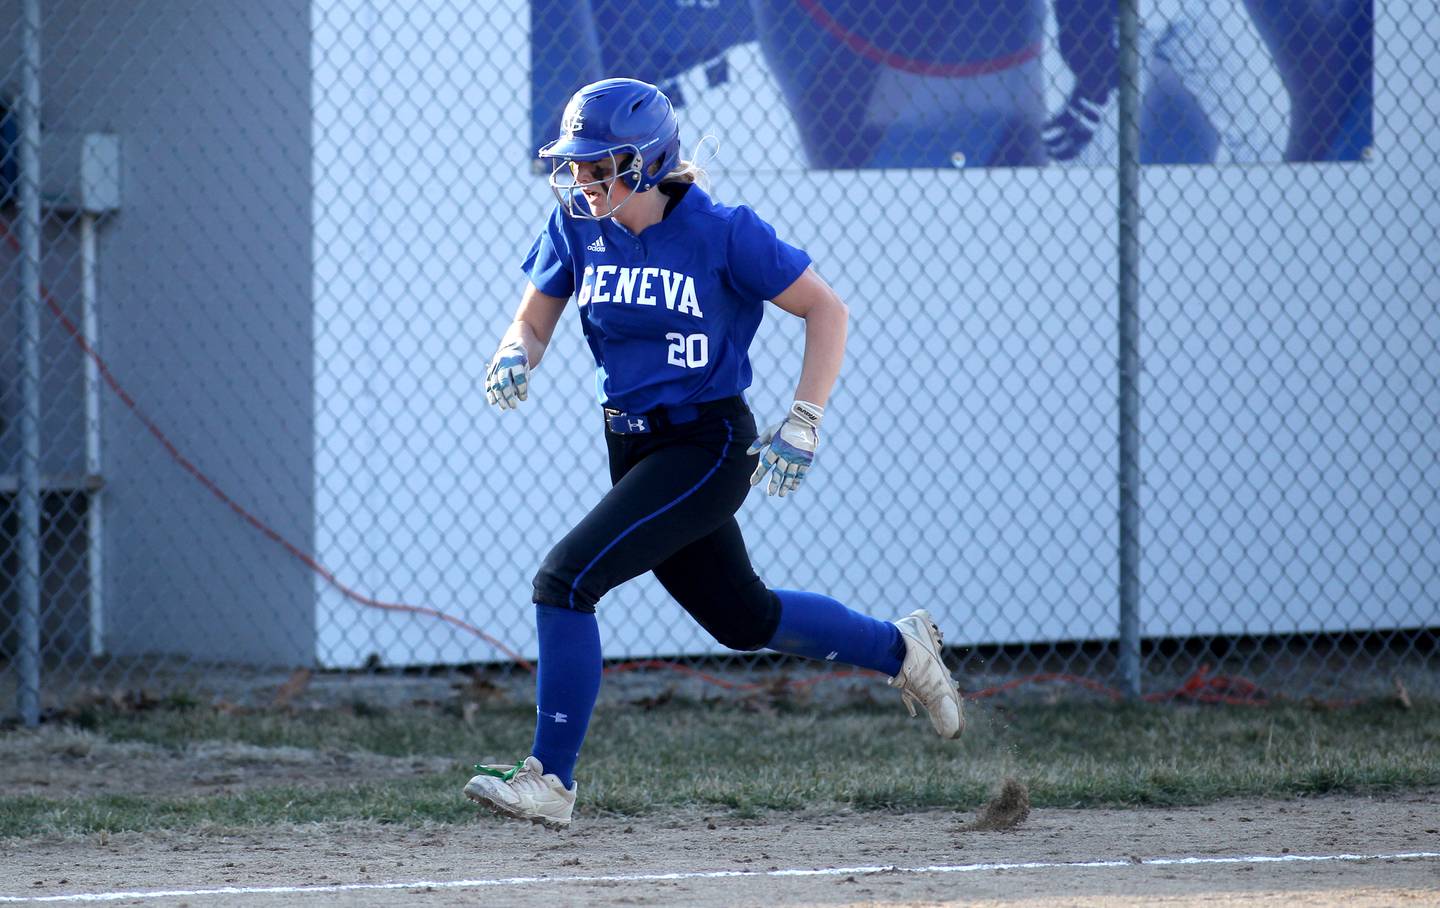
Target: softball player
(670,288)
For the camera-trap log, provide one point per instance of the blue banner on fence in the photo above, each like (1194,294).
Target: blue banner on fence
(836,84)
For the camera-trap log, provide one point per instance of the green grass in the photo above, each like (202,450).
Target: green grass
(726,757)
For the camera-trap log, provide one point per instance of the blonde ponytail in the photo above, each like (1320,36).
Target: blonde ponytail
(689,172)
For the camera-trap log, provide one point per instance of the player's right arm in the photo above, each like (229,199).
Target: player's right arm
(1088,40)
(507,381)
(535,322)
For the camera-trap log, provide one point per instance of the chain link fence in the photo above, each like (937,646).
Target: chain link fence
(260,255)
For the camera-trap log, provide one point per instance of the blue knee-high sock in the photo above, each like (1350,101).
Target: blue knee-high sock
(566,683)
(821,628)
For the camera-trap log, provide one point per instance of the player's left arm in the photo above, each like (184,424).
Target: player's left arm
(826,317)
(787,449)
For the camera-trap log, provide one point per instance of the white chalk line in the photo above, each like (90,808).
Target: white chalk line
(712,875)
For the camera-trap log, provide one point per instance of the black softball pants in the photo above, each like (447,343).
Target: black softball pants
(671,510)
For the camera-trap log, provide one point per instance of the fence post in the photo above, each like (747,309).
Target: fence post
(27,493)
(1129,353)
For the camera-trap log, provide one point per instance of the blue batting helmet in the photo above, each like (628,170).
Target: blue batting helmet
(616,117)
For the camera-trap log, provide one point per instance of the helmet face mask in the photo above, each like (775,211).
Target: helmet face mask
(570,190)
(607,121)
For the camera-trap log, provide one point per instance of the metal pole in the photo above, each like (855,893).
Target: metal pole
(28,493)
(1129,27)
(94,514)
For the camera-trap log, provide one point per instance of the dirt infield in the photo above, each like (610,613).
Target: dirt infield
(427,862)
(59,762)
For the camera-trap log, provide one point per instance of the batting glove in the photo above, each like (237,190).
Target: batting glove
(1068,132)
(787,448)
(508,380)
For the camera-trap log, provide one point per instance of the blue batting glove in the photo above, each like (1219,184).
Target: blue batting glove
(507,382)
(787,449)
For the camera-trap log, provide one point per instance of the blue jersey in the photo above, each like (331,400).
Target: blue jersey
(668,314)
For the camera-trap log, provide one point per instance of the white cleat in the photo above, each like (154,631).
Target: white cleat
(924,678)
(524,791)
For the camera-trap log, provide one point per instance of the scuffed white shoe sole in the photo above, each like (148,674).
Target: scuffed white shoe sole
(511,813)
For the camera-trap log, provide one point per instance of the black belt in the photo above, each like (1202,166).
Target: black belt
(621,422)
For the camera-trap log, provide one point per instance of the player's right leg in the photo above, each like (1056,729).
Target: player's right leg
(665,496)
(524,791)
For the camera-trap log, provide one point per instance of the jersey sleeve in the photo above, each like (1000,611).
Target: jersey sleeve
(761,264)
(549,261)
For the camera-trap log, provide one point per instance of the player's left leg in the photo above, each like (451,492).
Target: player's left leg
(712,578)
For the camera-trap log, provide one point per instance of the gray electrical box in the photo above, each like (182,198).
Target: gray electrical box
(80,171)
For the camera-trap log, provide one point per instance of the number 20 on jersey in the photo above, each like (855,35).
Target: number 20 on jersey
(688,351)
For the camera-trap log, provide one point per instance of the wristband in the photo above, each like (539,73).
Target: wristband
(808,413)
